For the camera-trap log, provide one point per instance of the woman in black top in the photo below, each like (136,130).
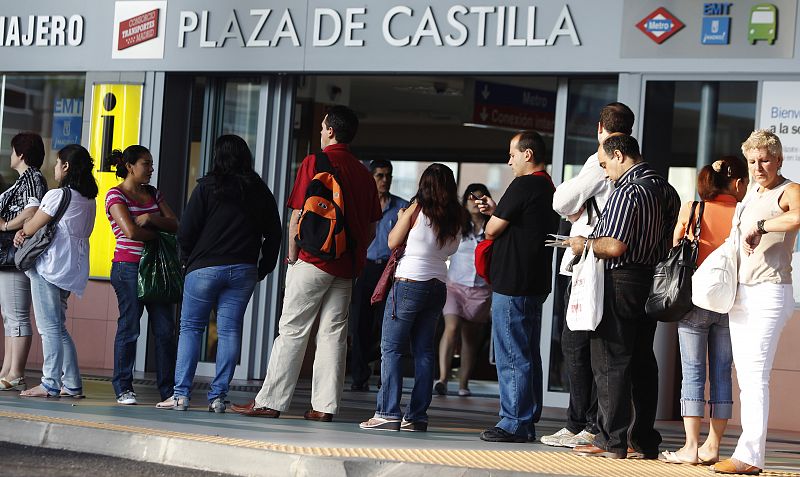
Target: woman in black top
(230,220)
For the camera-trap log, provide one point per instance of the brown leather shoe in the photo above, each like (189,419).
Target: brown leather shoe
(251,410)
(728,466)
(594,451)
(312,415)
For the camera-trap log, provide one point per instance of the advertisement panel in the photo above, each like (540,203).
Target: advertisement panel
(115,122)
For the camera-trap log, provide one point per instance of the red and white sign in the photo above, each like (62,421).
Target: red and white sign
(660,25)
(138,29)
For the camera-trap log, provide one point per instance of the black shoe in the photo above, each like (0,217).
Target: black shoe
(359,387)
(496,434)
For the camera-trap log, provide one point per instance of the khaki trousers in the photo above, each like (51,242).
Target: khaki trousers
(310,292)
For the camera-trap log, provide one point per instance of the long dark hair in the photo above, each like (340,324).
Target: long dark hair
(233,167)
(468,224)
(130,155)
(79,174)
(438,198)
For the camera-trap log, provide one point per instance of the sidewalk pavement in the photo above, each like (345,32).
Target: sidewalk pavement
(240,445)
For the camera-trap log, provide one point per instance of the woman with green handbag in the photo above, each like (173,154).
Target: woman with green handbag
(137,212)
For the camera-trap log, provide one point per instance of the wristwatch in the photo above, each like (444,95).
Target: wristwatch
(760,226)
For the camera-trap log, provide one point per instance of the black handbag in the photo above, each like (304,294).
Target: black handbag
(7,248)
(670,296)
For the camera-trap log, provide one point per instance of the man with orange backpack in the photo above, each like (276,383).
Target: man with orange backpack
(335,208)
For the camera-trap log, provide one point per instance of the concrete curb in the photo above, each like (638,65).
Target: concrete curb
(215,457)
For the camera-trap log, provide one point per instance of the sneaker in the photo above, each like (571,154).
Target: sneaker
(381,424)
(127,398)
(583,438)
(440,388)
(217,405)
(555,440)
(12,384)
(413,426)
(464,392)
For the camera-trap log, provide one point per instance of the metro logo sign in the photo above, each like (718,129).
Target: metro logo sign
(138,29)
(660,25)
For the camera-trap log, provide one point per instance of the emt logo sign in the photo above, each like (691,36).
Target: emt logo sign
(659,25)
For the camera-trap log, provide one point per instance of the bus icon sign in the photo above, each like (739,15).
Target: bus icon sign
(763,23)
(659,25)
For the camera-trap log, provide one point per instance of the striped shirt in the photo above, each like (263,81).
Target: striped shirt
(641,213)
(27,191)
(128,250)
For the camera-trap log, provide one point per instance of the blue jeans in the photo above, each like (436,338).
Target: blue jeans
(412,311)
(123,279)
(516,329)
(703,332)
(228,288)
(60,366)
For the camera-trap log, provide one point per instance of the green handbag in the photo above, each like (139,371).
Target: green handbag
(160,278)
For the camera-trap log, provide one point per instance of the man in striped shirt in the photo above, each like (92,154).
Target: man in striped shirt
(634,233)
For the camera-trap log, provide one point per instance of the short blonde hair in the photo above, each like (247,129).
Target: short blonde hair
(763,139)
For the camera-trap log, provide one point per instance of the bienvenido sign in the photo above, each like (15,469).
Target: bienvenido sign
(451,27)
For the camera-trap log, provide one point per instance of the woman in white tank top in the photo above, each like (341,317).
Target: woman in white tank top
(769,220)
(432,226)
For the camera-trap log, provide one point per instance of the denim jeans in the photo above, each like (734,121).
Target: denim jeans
(412,312)
(228,288)
(123,279)
(365,323)
(60,365)
(624,365)
(700,333)
(582,409)
(516,329)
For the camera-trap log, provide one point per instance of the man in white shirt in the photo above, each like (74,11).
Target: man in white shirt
(581,199)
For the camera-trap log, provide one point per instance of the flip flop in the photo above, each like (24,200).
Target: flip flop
(673,458)
(37,392)
(65,393)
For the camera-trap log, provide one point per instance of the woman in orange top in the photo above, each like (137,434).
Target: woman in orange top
(702,332)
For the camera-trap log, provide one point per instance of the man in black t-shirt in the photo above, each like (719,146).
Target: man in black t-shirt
(521,275)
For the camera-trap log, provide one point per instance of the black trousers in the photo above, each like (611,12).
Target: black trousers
(575,346)
(624,365)
(365,323)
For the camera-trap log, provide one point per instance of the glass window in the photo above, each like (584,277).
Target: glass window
(673,129)
(50,105)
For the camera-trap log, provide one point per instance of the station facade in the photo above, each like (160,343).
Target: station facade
(445,81)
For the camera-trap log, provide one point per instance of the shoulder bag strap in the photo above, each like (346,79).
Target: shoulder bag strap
(591,205)
(66,197)
(699,220)
(690,221)
(414,216)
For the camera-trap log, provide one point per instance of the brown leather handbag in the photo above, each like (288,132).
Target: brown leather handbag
(387,277)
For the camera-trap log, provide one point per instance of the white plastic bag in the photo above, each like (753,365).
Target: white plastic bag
(585,308)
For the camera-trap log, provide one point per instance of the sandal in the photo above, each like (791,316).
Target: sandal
(7,384)
(729,466)
(38,392)
(178,403)
(671,457)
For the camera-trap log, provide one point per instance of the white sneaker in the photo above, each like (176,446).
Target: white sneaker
(555,439)
(582,438)
(127,398)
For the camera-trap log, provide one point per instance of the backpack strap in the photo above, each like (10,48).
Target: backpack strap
(322,163)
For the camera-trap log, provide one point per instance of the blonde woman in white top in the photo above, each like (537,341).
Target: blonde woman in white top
(770,219)
(62,269)
(416,299)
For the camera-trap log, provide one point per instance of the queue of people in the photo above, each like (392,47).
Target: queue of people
(360,253)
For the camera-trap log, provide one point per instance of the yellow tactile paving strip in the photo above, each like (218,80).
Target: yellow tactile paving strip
(555,463)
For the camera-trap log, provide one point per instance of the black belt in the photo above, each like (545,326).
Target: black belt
(378,262)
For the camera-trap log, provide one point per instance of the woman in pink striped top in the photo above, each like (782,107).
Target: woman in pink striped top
(137,211)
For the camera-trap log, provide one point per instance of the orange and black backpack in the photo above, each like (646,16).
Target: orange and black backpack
(322,229)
